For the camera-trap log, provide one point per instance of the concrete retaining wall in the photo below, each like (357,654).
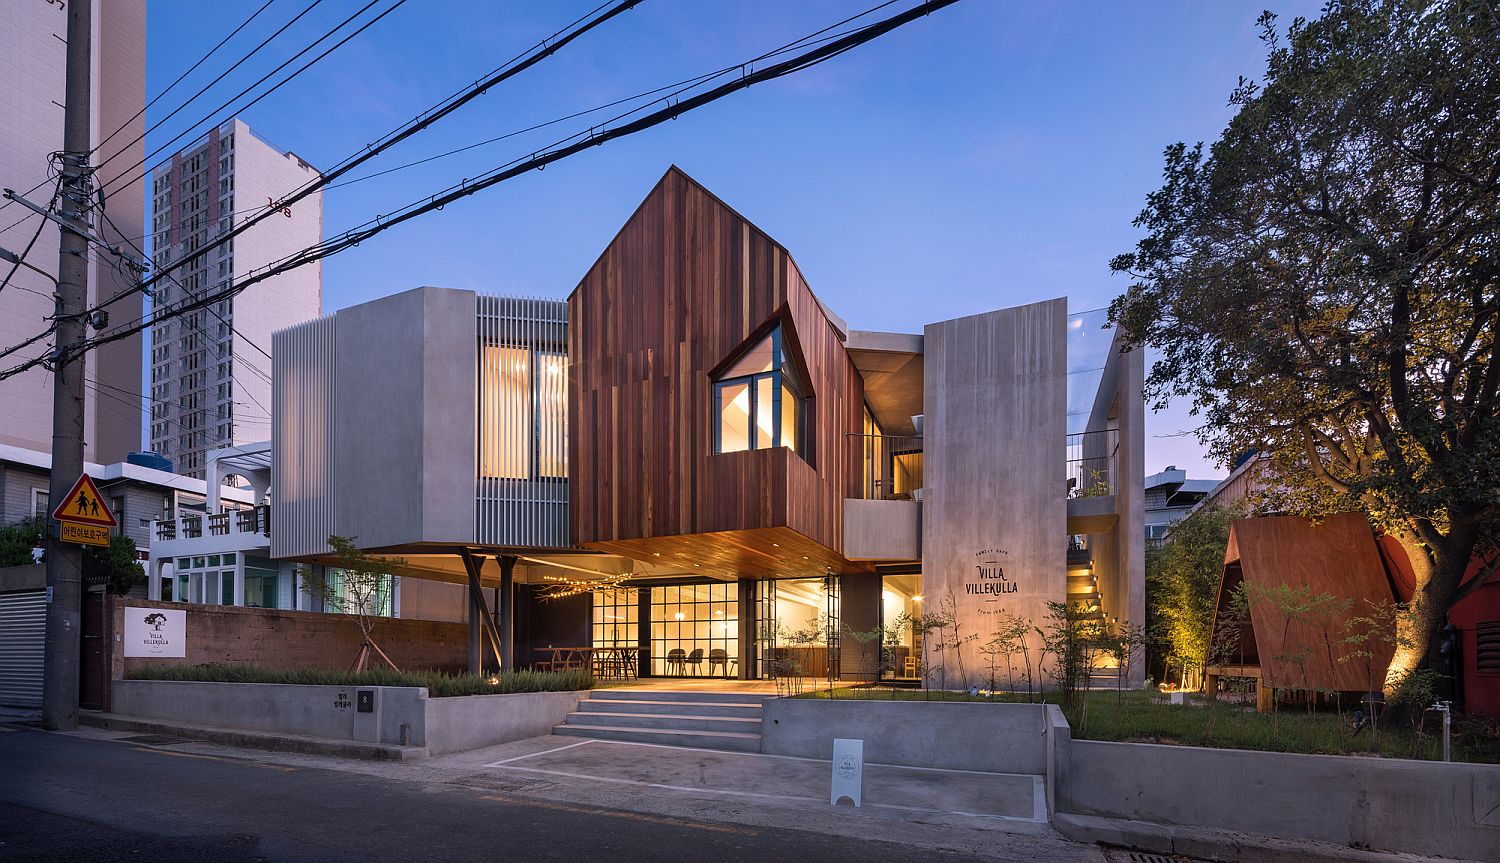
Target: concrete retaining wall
(472,721)
(440,725)
(315,711)
(999,738)
(1420,807)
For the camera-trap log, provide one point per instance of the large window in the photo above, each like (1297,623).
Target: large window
(759,401)
(617,617)
(523,407)
(695,630)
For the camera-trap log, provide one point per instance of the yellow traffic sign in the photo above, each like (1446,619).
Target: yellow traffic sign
(88,534)
(84,505)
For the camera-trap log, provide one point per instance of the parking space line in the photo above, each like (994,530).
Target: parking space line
(505,761)
(760,795)
(614,813)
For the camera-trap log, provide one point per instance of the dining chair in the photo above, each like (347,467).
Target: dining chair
(695,659)
(718,656)
(677,658)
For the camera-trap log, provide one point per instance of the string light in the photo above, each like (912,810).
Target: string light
(562,587)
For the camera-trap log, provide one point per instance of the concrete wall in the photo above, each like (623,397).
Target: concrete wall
(298,639)
(1420,807)
(441,725)
(995,405)
(999,738)
(882,529)
(469,722)
(316,711)
(404,421)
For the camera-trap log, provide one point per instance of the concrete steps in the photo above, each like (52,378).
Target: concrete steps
(706,720)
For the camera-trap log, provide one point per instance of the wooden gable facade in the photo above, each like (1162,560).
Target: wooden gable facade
(685,284)
(1337,558)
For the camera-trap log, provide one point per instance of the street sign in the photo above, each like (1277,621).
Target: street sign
(87,534)
(84,505)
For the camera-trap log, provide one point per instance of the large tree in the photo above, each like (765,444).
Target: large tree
(1324,282)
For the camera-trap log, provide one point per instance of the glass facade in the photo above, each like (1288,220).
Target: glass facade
(695,630)
(616,621)
(797,622)
(758,402)
(900,604)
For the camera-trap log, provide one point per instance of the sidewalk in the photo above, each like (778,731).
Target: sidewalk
(990,815)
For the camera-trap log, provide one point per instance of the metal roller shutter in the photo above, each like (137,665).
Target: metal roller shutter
(23,631)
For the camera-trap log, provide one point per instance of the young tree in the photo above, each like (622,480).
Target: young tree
(1182,586)
(1323,282)
(358,590)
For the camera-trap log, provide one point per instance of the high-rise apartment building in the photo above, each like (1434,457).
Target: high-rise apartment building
(211,368)
(32,79)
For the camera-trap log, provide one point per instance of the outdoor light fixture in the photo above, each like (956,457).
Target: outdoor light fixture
(917,598)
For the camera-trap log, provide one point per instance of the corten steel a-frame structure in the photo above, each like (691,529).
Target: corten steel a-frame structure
(1338,557)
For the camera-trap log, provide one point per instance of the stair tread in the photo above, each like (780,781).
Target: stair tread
(626,701)
(593,713)
(738,735)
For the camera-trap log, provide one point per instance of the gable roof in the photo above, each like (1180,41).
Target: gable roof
(1336,557)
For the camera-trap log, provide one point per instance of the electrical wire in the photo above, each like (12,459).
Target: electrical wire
(241,109)
(525,60)
(191,70)
(539,160)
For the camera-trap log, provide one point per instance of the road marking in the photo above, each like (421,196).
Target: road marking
(535,754)
(243,761)
(759,795)
(814,760)
(629,816)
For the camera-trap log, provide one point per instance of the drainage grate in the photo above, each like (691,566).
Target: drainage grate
(1120,855)
(153,739)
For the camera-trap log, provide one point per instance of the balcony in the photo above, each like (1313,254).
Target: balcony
(246,528)
(1092,466)
(885,521)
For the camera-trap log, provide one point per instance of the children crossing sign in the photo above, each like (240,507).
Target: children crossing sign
(83,516)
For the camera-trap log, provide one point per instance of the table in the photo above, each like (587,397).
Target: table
(609,661)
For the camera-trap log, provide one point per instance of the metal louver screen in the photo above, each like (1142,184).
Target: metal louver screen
(23,631)
(1487,647)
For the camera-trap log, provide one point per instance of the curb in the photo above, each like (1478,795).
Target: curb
(257,740)
(1201,843)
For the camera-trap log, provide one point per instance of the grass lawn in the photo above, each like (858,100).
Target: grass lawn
(1139,716)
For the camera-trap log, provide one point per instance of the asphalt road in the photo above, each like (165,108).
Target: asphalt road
(65,798)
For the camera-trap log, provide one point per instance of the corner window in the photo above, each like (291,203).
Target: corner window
(759,401)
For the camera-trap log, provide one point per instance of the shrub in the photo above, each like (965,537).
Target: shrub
(439,684)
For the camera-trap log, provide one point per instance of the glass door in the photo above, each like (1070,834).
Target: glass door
(798,626)
(695,630)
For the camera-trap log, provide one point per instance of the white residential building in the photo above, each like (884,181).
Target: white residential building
(211,368)
(32,78)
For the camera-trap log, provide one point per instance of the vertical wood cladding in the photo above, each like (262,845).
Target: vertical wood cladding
(683,285)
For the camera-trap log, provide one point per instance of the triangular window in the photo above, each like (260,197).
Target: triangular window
(759,401)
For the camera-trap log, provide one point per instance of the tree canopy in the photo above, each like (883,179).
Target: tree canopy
(1323,281)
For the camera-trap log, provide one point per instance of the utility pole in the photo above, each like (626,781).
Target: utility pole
(65,560)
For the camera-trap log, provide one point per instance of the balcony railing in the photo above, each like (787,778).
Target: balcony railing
(1091,462)
(191,525)
(890,466)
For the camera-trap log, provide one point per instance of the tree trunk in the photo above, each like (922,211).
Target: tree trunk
(1436,573)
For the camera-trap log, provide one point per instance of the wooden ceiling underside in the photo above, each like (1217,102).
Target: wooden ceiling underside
(768,552)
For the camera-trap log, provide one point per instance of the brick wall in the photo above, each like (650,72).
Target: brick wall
(297,639)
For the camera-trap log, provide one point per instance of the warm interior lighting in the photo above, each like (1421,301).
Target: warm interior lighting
(678,616)
(917,598)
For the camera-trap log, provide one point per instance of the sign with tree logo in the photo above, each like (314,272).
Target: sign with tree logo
(82,514)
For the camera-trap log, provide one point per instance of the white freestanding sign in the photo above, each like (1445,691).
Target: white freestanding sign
(155,632)
(848,770)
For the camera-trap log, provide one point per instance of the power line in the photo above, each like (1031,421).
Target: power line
(679,85)
(41,223)
(191,69)
(546,48)
(592,138)
(209,116)
(210,84)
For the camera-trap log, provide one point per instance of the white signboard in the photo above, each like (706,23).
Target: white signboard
(155,632)
(848,770)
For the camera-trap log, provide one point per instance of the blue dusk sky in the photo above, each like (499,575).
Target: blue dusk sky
(989,155)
